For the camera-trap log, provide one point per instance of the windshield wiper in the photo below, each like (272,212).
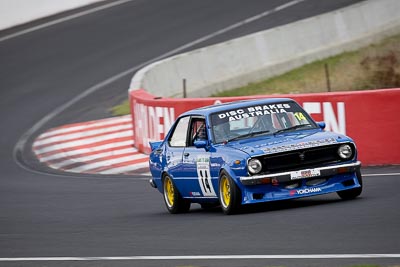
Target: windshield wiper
(292,128)
(248,135)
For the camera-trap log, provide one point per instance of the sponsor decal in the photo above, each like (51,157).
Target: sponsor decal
(204,176)
(152,123)
(305,191)
(254,111)
(304,174)
(335,118)
(195,194)
(302,145)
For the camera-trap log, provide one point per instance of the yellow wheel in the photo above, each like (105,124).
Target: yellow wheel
(230,196)
(172,198)
(225,191)
(169,192)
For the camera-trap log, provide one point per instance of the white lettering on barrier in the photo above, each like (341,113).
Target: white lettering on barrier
(152,123)
(333,123)
(140,123)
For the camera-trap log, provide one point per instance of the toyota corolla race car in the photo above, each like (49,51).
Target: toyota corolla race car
(250,152)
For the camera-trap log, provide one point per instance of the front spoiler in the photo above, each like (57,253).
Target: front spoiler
(286,176)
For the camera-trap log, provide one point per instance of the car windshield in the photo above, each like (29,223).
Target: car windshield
(256,120)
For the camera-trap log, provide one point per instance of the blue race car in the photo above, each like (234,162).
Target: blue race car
(248,152)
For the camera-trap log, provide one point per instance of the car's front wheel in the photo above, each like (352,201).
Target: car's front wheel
(352,193)
(230,196)
(173,199)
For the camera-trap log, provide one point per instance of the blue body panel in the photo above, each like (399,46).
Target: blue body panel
(271,192)
(196,171)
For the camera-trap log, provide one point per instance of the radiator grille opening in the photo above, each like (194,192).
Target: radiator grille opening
(304,158)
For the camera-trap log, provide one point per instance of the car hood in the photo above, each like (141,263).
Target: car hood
(270,144)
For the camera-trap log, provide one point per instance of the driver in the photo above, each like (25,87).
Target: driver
(222,132)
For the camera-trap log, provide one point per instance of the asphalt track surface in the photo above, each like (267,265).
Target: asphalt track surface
(53,215)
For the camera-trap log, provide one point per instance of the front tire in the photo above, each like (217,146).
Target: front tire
(352,193)
(230,196)
(172,198)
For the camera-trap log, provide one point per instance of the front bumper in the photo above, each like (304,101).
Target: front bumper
(309,173)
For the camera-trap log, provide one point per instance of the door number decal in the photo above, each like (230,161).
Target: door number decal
(204,177)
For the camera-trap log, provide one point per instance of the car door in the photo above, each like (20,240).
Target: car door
(196,161)
(174,148)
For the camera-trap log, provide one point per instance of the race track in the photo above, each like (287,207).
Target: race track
(49,215)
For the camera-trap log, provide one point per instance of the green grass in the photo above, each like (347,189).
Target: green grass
(121,109)
(347,72)
(306,79)
(371,67)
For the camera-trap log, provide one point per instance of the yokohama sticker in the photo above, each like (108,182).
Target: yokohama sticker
(305,191)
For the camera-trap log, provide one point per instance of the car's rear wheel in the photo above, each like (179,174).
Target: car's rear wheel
(173,199)
(352,193)
(230,196)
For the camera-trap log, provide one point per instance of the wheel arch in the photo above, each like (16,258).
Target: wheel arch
(225,168)
(234,178)
(163,174)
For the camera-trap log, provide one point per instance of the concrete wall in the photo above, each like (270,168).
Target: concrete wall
(257,56)
(16,12)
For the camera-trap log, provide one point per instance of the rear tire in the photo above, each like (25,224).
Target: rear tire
(352,193)
(230,196)
(172,198)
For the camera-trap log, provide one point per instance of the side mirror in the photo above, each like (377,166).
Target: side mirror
(321,125)
(155,145)
(200,143)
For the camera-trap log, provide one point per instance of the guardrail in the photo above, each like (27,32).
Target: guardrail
(369,117)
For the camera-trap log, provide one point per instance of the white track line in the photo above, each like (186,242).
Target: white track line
(209,257)
(382,174)
(227,29)
(54,22)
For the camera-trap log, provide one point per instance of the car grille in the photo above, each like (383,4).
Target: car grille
(299,159)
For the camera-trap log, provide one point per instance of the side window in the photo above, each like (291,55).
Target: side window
(179,136)
(197,130)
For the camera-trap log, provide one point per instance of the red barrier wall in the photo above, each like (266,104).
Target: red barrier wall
(369,117)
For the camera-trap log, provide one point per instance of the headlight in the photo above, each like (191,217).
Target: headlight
(254,166)
(345,151)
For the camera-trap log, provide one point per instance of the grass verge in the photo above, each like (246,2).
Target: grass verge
(371,67)
(121,109)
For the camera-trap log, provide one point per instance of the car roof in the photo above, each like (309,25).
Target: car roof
(205,111)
